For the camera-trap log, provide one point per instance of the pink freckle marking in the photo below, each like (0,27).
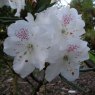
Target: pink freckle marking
(23,34)
(67,19)
(72,48)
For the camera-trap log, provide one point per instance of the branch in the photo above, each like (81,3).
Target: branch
(26,79)
(90,63)
(74,86)
(34,78)
(40,82)
(87,70)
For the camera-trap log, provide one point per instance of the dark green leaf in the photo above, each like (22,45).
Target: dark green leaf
(92,56)
(42,5)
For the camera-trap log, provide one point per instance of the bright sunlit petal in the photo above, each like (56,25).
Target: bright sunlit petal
(65,2)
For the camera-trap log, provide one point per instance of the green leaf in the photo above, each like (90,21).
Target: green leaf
(28,6)
(92,56)
(10,18)
(42,5)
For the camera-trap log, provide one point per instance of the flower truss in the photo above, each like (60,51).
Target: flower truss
(53,37)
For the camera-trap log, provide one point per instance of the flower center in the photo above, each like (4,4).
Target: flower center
(63,31)
(30,48)
(65,58)
(23,34)
(72,48)
(67,19)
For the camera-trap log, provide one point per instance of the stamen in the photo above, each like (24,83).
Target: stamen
(65,58)
(30,48)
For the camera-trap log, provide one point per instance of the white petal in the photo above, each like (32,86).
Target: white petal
(18,13)
(55,54)
(48,14)
(52,1)
(42,36)
(13,4)
(17,4)
(82,52)
(52,71)
(70,71)
(30,18)
(76,28)
(23,65)
(71,20)
(12,48)
(20,29)
(38,58)
(48,26)
(4,2)
(77,50)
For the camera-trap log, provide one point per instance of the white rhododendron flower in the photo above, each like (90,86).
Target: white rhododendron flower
(52,1)
(4,2)
(14,4)
(68,19)
(54,36)
(28,43)
(65,59)
(17,4)
(72,23)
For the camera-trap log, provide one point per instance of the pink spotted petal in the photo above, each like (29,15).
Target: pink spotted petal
(20,29)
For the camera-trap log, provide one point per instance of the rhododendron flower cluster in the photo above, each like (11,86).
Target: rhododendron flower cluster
(53,37)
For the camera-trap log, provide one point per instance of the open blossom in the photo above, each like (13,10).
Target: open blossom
(72,23)
(65,59)
(14,4)
(17,4)
(28,43)
(54,37)
(68,20)
(4,2)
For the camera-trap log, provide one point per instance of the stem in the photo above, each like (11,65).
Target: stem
(74,86)
(33,87)
(34,78)
(90,63)
(40,83)
(26,79)
(45,89)
(87,70)
(15,90)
